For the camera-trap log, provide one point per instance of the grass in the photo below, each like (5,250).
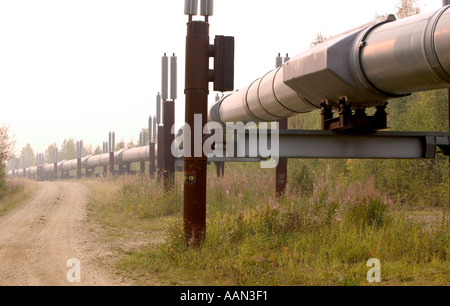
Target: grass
(323,238)
(133,217)
(17,191)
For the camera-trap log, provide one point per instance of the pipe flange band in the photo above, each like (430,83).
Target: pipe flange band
(429,45)
(119,157)
(246,107)
(356,64)
(259,100)
(214,112)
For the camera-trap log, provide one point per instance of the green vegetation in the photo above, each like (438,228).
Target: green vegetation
(5,152)
(411,182)
(336,215)
(16,191)
(322,238)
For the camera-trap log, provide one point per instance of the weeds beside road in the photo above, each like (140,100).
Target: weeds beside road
(253,238)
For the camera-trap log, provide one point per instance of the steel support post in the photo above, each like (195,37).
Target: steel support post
(111,163)
(160,153)
(55,171)
(152,160)
(78,168)
(444,3)
(220,168)
(195,168)
(142,167)
(281,169)
(448,204)
(169,159)
(220,165)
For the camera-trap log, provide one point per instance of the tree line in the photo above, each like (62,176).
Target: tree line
(66,151)
(412,182)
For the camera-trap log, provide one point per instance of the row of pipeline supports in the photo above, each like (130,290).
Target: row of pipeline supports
(161,160)
(198,77)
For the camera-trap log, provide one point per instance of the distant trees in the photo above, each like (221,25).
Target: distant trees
(68,150)
(6,145)
(409,182)
(28,155)
(407,8)
(48,154)
(120,145)
(98,150)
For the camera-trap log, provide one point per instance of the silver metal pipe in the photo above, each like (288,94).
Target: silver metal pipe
(409,55)
(368,65)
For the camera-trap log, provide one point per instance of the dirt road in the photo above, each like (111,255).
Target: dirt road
(40,237)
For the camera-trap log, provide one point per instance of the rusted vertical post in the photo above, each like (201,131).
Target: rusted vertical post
(195,167)
(152,165)
(41,166)
(78,168)
(142,167)
(105,150)
(448,204)
(160,153)
(142,162)
(38,167)
(151,144)
(41,178)
(444,3)
(55,165)
(111,163)
(281,169)
(169,159)
(112,145)
(79,159)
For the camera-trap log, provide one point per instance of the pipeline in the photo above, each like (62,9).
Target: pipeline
(121,157)
(368,66)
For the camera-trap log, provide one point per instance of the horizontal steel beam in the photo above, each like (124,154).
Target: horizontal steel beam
(327,144)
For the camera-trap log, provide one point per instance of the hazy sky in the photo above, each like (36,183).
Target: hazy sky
(81,68)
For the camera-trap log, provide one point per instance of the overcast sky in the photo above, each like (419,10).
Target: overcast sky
(81,68)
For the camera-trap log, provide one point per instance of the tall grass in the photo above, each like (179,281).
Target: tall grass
(134,196)
(324,236)
(17,190)
(144,197)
